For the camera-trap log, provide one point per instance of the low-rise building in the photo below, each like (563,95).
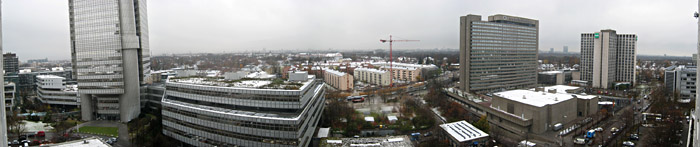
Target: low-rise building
(557,77)
(681,80)
(407,72)
(53,90)
(521,112)
(462,134)
(372,76)
(248,112)
(339,80)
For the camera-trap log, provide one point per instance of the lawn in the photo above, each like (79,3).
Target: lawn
(106,131)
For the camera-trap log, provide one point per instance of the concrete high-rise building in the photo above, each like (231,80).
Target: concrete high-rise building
(566,49)
(608,57)
(498,54)
(681,79)
(110,56)
(10,62)
(3,123)
(245,112)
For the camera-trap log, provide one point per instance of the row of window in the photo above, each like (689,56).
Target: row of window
(503,28)
(230,121)
(242,96)
(504,25)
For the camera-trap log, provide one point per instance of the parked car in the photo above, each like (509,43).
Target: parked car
(628,143)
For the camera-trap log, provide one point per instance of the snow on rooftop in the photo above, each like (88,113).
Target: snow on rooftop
(335,72)
(541,98)
(49,77)
(370,70)
(88,142)
(551,72)
(369,118)
(463,131)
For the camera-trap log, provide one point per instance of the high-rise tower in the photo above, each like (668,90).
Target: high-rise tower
(498,54)
(110,56)
(3,122)
(608,57)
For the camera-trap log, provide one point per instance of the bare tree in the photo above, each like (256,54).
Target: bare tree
(15,124)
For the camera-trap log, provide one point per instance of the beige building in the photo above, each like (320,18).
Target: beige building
(339,80)
(521,112)
(498,54)
(405,71)
(608,57)
(372,76)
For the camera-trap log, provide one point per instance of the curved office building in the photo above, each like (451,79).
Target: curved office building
(242,112)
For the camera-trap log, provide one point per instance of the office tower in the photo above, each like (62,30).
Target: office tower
(566,49)
(110,56)
(551,50)
(681,79)
(498,54)
(608,57)
(10,62)
(243,112)
(3,123)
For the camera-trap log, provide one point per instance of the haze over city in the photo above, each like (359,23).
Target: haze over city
(39,28)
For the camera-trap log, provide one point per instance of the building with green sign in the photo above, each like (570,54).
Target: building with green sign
(608,58)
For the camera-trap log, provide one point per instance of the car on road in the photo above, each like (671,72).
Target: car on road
(580,141)
(628,143)
(599,129)
(634,137)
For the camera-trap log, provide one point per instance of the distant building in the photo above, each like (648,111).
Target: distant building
(338,80)
(462,134)
(554,77)
(566,49)
(498,54)
(10,96)
(372,76)
(695,59)
(407,72)
(247,112)
(681,79)
(54,91)
(38,60)
(10,63)
(551,50)
(608,57)
(519,112)
(26,79)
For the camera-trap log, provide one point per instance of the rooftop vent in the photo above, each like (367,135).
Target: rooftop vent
(298,76)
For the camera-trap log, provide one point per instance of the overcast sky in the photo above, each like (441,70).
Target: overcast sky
(39,28)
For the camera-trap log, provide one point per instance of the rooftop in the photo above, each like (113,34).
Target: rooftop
(49,77)
(542,98)
(335,72)
(250,83)
(370,70)
(463,131)
(87,142)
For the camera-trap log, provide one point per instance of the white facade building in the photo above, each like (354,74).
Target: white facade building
(259,112)
(372,76)
(53,90)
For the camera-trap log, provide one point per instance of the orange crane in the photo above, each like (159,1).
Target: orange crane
(391,57)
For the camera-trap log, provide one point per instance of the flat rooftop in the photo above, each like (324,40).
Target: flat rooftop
(542,98)
(463,131)
(370,70)
(87,142)
(249,83)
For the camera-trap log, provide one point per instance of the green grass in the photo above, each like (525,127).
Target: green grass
(106,131)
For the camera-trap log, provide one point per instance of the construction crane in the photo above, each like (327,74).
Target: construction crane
(391,56)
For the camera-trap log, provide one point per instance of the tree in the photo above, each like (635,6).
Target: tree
(482,124)
(15,124)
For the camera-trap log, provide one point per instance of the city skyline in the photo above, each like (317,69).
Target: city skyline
(184,27)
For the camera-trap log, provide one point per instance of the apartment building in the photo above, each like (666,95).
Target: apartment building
(339,80)
(608,58)
(406,72)
(498,54)
(54,91)
(372,76)
(248,112)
